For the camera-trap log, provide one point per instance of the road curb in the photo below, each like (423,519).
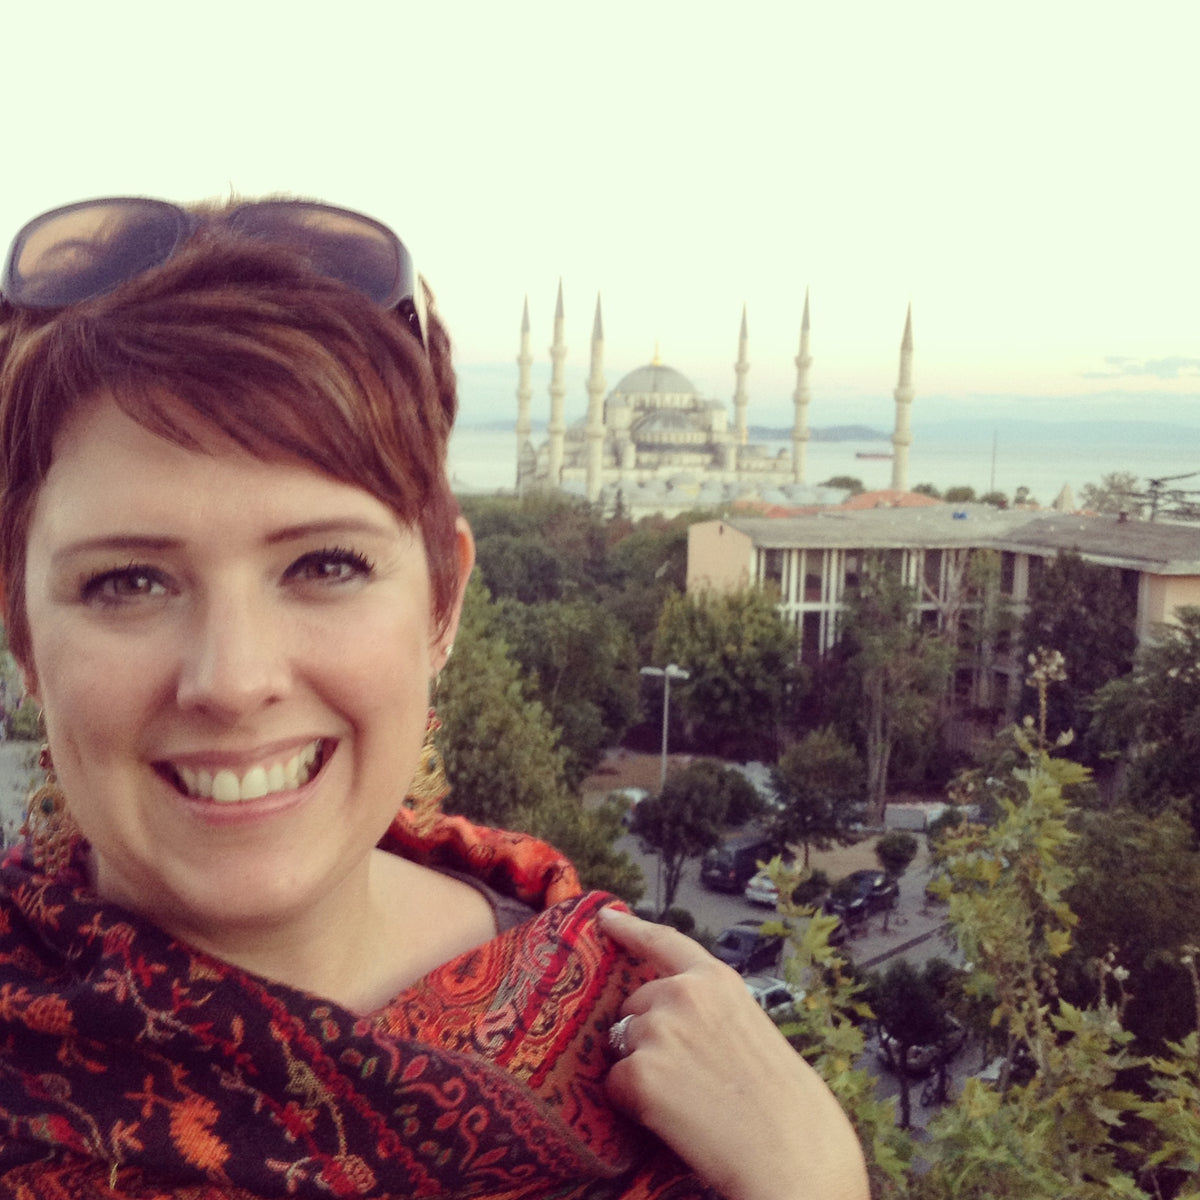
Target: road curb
(901,947)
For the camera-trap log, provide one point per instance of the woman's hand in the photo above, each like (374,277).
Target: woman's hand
(707,1070)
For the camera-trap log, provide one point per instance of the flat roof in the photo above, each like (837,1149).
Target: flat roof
(1157,547)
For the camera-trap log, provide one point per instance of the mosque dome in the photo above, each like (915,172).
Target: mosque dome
(655,378)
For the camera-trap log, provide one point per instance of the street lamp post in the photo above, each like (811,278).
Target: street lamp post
(666,674)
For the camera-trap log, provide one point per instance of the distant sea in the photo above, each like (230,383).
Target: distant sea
(1041,456)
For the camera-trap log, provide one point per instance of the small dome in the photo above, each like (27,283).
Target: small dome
(655,378)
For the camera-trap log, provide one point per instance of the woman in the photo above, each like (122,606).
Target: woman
(232,569)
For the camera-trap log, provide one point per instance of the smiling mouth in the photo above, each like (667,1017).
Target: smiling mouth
(225,786)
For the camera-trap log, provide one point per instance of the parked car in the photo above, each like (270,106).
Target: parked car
(774,996)
(729,866)
(762,890)
(747,949)
(920,1060)
(862,892)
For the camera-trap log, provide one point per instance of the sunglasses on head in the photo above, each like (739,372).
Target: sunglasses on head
(85,250)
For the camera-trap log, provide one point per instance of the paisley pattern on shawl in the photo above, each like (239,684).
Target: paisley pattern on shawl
(133,1066)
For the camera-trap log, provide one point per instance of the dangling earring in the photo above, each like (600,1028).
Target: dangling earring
(429,786)
(49,826)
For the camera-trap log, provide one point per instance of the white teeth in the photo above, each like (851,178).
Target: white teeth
(225,787)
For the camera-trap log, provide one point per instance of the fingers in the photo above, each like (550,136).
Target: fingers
(704,1067)
(666,949)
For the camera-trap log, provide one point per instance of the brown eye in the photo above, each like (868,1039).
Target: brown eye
(123,585)
(332,566)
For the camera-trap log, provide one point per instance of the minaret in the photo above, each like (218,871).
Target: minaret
(595,411)
(524,393)
(558,390)
(800,398)
(740,398)
(902,437)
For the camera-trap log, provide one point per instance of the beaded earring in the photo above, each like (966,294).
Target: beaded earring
(429,786)
(49,826)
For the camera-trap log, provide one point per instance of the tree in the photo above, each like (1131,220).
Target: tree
(1086,612)
(745,675)
(1115,493)
(959,495)
(899,671)
(645,566)
(848,483)
(682,822)
(503,759)
(500,747)
(908,1008)
(927,489)
(995,499)
(817,783)
(1137,888)
(1152,717)
(581,665)
(895,851)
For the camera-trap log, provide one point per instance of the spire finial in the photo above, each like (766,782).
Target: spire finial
(804,319)
(525,316)
(656,361)
(597,324)
(558,307)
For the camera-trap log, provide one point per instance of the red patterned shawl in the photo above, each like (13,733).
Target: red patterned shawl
(133,1067)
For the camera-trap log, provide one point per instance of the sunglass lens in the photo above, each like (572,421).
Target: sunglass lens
(343,245)
(85,250)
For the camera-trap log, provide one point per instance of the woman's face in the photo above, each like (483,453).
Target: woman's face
(233,658)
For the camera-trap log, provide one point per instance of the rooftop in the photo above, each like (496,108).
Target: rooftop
(1158,547)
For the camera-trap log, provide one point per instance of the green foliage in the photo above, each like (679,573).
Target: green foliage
(739,796)
(995,499)
(18,712)
(895,851)
(959,495)
(817,783)
(1115,493)
(500,747)
(587,837)
(1137,879)
(927,489)
(581,665)
(503,758)
(540,547)
(849,483)
(683,821)
(908,1008)
(1153,715)
(827,1028)
(745,675)
(1087,613)
(898,671)
(646,564)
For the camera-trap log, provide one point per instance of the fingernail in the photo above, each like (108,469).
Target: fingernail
(611,914)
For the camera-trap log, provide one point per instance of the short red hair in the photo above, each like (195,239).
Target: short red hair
(284,361)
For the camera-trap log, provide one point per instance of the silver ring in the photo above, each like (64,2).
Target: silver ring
(618,1038)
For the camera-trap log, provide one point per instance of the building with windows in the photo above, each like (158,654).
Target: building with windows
(814,560)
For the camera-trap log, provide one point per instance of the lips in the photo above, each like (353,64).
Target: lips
(223,785)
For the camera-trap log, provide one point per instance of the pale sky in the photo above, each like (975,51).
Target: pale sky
(1024,173)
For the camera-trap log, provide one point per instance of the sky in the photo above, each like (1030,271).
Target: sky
(1024,174)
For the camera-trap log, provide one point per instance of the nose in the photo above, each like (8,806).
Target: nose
(235,660)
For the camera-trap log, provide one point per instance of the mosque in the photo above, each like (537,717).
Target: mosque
(654,444)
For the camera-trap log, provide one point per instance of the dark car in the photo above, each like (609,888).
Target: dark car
(745,948)
(860,893)
(730,866)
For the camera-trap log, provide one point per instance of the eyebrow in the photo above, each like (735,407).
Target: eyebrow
(135,543)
